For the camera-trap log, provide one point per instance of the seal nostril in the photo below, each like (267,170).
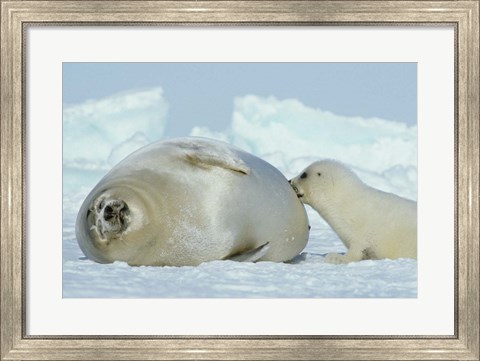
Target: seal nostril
(116,214)
(108,213)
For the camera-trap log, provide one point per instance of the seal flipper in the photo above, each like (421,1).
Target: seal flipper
(204,154)
(251,255)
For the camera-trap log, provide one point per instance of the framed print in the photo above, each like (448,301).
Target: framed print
(390,89)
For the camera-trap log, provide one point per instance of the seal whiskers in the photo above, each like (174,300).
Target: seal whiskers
(112,217)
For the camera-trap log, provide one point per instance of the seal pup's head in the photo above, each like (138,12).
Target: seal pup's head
(324,181)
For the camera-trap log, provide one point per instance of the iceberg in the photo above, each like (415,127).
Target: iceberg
(93,129)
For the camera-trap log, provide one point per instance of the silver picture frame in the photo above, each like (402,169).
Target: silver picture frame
(16,16)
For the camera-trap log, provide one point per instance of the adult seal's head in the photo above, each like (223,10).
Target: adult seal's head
(191,200)
(108,220)
(103,219)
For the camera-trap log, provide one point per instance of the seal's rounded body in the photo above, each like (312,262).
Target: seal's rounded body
(188,201)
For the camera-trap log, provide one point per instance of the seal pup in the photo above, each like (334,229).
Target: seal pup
(371,223)
(190,200)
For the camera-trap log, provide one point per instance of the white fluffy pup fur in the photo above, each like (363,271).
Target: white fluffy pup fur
(371,223)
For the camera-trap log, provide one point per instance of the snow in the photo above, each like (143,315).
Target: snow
(283,132)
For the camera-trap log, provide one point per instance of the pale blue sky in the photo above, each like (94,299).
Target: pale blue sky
(203,93)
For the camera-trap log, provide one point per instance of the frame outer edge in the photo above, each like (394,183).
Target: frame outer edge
(18,174)
(237,11)
(472,108)
(7,192)
(11,167)
(468,188)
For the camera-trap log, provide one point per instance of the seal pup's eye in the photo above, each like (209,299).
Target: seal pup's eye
(319,174)
(304,175)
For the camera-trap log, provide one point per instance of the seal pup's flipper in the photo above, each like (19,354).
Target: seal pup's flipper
(251,255)
(205,154)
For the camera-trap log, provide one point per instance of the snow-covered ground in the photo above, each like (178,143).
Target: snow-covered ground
(283,132)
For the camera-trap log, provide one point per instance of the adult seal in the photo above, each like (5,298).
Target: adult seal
(190,200)
(371,223)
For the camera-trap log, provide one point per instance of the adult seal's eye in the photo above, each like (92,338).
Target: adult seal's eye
(319,174)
